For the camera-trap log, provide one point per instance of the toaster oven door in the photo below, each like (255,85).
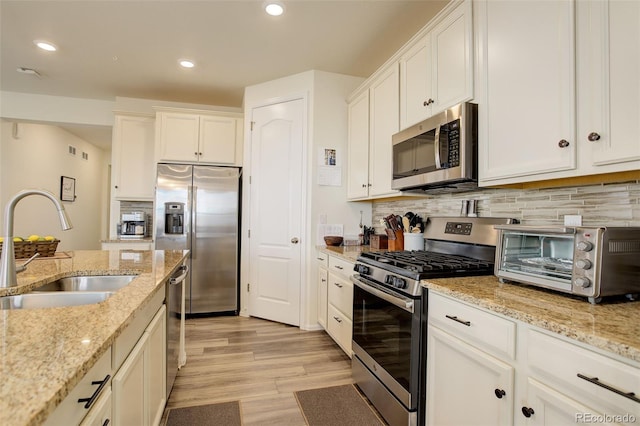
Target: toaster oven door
(540,258)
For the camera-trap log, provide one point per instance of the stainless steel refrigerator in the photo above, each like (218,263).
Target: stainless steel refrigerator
(198,208)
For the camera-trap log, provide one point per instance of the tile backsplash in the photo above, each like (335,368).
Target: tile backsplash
(604,204)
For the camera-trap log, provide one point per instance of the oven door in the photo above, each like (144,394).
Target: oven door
(386,338)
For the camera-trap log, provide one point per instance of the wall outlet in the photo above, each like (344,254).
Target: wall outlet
(572,220)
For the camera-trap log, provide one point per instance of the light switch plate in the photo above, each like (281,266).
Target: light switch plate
(572,220)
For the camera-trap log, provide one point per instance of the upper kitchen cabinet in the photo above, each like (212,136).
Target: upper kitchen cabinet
(526,88)
(373,119)
(199,136)
(437,71)
(559,103)
(608,54)
(132,157)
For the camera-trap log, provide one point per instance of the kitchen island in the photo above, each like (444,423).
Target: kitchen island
(46,352)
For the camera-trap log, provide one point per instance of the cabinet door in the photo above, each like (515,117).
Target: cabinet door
(100,414)
(340,328)
(547,407)
(384,121)
(156,371)
(415,83)
(133,157)
(217,142)
(465,386)
(452,59)
(358,148)
(609,87)
(129,394)
(527,119)
(178,136)
(340,294)
(322,297)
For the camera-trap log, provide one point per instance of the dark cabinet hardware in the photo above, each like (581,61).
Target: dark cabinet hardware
(106,422)
(527,412)
(89,401)
(593,136)
(456,319)
(499,393)
(563,143)
(337,319)
(631,395)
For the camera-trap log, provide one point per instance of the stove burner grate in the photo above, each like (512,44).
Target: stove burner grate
(425,261)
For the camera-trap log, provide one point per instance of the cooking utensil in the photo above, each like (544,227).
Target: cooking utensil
(406,224)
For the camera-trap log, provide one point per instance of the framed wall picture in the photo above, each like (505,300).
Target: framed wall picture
(67,188)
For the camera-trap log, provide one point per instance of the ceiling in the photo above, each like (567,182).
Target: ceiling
(109,49)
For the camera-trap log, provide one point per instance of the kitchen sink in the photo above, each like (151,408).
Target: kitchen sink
(88,283)
(37,300)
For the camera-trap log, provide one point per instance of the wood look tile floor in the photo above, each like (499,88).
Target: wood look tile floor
(259,363)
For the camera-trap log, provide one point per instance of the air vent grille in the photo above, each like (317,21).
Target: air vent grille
(624,246)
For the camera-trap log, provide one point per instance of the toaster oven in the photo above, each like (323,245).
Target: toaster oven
(593,262)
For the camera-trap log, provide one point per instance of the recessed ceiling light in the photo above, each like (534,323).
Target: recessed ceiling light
(45,45)
(186,63)
(274,8)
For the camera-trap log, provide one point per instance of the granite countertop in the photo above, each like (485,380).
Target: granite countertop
(129,240)
(45,352)
(613,326)
(349,253)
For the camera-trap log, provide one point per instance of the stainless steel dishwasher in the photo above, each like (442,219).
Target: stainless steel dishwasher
(175,301)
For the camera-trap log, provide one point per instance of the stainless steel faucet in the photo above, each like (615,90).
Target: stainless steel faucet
(8,261)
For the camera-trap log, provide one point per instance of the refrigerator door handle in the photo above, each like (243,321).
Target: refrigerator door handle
(194,215)
(188,218)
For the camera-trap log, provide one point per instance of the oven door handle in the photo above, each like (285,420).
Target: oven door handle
(400,302)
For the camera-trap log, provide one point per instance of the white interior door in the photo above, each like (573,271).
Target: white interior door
(276,212)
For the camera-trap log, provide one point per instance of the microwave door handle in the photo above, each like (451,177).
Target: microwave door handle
(436,147)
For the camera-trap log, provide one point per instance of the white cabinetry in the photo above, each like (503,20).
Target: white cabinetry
(527,113)
(199,137)
(340,302)
(373,119)
(323,279)
(437,71)
(577,108)
(463,365)
(139,386)
(127,245)
(132,157)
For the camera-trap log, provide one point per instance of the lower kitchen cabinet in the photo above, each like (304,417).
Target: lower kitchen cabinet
(475,375)
(139,386)
(101,414)
(322,280)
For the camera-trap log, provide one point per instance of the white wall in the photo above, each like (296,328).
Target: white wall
(36,156)
(326,120)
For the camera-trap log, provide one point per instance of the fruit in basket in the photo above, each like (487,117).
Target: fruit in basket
(17,240)
(49,238)
(1,239)
(33,237)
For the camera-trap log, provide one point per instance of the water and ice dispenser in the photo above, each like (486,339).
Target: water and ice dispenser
(174,218)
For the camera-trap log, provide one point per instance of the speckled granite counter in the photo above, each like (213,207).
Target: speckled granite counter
(610,326)
(349,253)
(45,352)
(129,240)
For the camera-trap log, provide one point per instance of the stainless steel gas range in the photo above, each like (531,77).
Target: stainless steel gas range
(390,310)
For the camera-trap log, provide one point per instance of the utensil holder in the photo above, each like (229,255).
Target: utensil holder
(397,243)
(413,241)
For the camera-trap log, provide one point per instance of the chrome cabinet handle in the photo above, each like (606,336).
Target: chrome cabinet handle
(563,143)
(631,395)
(456,319)
(593,136)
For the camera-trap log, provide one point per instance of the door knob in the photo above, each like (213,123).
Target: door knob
(294,240)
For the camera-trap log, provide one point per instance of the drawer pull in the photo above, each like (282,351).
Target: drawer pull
(337,319)
(631,395)
(92,399)
(527,412)
(319,258)
(338,285)
(499,393)
(106,422)
(456,319)
(323,280)
(338,267)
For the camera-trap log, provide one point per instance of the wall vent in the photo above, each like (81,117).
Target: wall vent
(72,150)
(85,155)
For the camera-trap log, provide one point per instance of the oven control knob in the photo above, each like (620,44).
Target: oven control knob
(583,282)
(399,282)
(584,246)
(584,264)
(361,269)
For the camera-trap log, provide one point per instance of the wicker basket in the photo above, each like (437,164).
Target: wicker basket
(26,249)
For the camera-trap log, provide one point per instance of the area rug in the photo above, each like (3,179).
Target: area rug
(336,406)
(226,413)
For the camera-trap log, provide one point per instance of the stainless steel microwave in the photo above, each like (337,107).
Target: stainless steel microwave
(438,154)
(592,262)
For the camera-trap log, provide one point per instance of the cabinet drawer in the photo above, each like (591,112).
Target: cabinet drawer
(70,411)
(485,330)
(340,266)
(558,362)
(100,414)
(322,259)
(339,328)
(340,294)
